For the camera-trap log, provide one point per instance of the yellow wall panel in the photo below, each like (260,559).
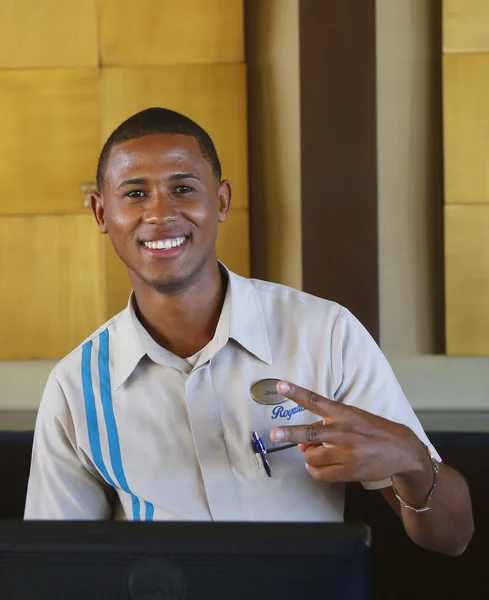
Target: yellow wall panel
(49,138)
(60,277)
(233,242)
(118,284)
(275,140)
(51,288)
(466,128)
(467,279)
(212,95)
(465,25)
(150,32)
(48,33)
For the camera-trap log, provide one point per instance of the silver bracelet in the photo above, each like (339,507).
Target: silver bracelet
(436,467)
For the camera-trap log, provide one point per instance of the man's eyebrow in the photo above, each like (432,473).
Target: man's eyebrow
(178,176)
(144,181)
(135,181)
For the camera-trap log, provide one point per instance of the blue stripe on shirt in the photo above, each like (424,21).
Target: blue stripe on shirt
(91,412)
(112,433)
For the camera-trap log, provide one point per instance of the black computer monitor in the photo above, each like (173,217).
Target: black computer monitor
(113,560)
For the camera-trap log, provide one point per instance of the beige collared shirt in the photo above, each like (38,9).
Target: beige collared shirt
(128,430)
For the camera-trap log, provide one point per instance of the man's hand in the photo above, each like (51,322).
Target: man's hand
(350,444)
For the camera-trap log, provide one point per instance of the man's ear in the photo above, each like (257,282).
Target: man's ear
(98,208)
(224,196)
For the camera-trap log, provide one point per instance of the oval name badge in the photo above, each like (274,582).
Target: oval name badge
(264,391)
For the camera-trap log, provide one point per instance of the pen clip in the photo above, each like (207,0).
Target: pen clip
(259,449)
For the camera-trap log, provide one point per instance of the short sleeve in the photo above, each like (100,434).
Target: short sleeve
(363,378)
(60,485)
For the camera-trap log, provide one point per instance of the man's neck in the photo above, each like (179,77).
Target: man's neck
(186,321)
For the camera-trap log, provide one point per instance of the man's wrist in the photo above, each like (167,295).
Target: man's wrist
(415,488)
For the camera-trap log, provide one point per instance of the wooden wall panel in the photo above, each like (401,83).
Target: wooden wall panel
(313,149)
(467,279)
(465,25)
(339,155)
(233,243)
(163,32)
(466,127)
(213,95)
(183,54)
(466,175)
(275,142)
(117,282)
(49,139)
(48,33)
(52,286)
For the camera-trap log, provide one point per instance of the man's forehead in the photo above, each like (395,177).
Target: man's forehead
(162,151)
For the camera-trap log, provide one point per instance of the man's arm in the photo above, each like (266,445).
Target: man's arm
(350,444)
(60,485)
(448,526)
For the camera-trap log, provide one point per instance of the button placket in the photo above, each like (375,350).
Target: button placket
(210,445)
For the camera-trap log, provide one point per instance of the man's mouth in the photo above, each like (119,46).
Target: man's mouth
(165,244)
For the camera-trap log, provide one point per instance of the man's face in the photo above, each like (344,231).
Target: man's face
(161,206)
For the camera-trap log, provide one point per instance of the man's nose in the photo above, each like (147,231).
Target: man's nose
(161,208)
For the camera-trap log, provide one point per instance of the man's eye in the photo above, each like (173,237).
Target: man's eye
(136,194)
(183,189)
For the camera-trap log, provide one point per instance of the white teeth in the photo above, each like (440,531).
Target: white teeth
(165,244)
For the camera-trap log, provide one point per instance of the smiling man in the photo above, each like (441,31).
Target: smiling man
(215,397)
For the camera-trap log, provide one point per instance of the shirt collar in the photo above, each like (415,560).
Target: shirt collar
(241,319)
(129,347)
(247,323)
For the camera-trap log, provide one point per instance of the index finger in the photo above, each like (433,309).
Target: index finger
(319,405)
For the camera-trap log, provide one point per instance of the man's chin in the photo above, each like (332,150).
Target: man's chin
(169,283)
(171,279)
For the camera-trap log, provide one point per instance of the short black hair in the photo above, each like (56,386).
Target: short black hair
(153,121)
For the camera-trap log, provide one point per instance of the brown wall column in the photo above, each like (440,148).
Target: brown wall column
(313,154)
(338,154)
